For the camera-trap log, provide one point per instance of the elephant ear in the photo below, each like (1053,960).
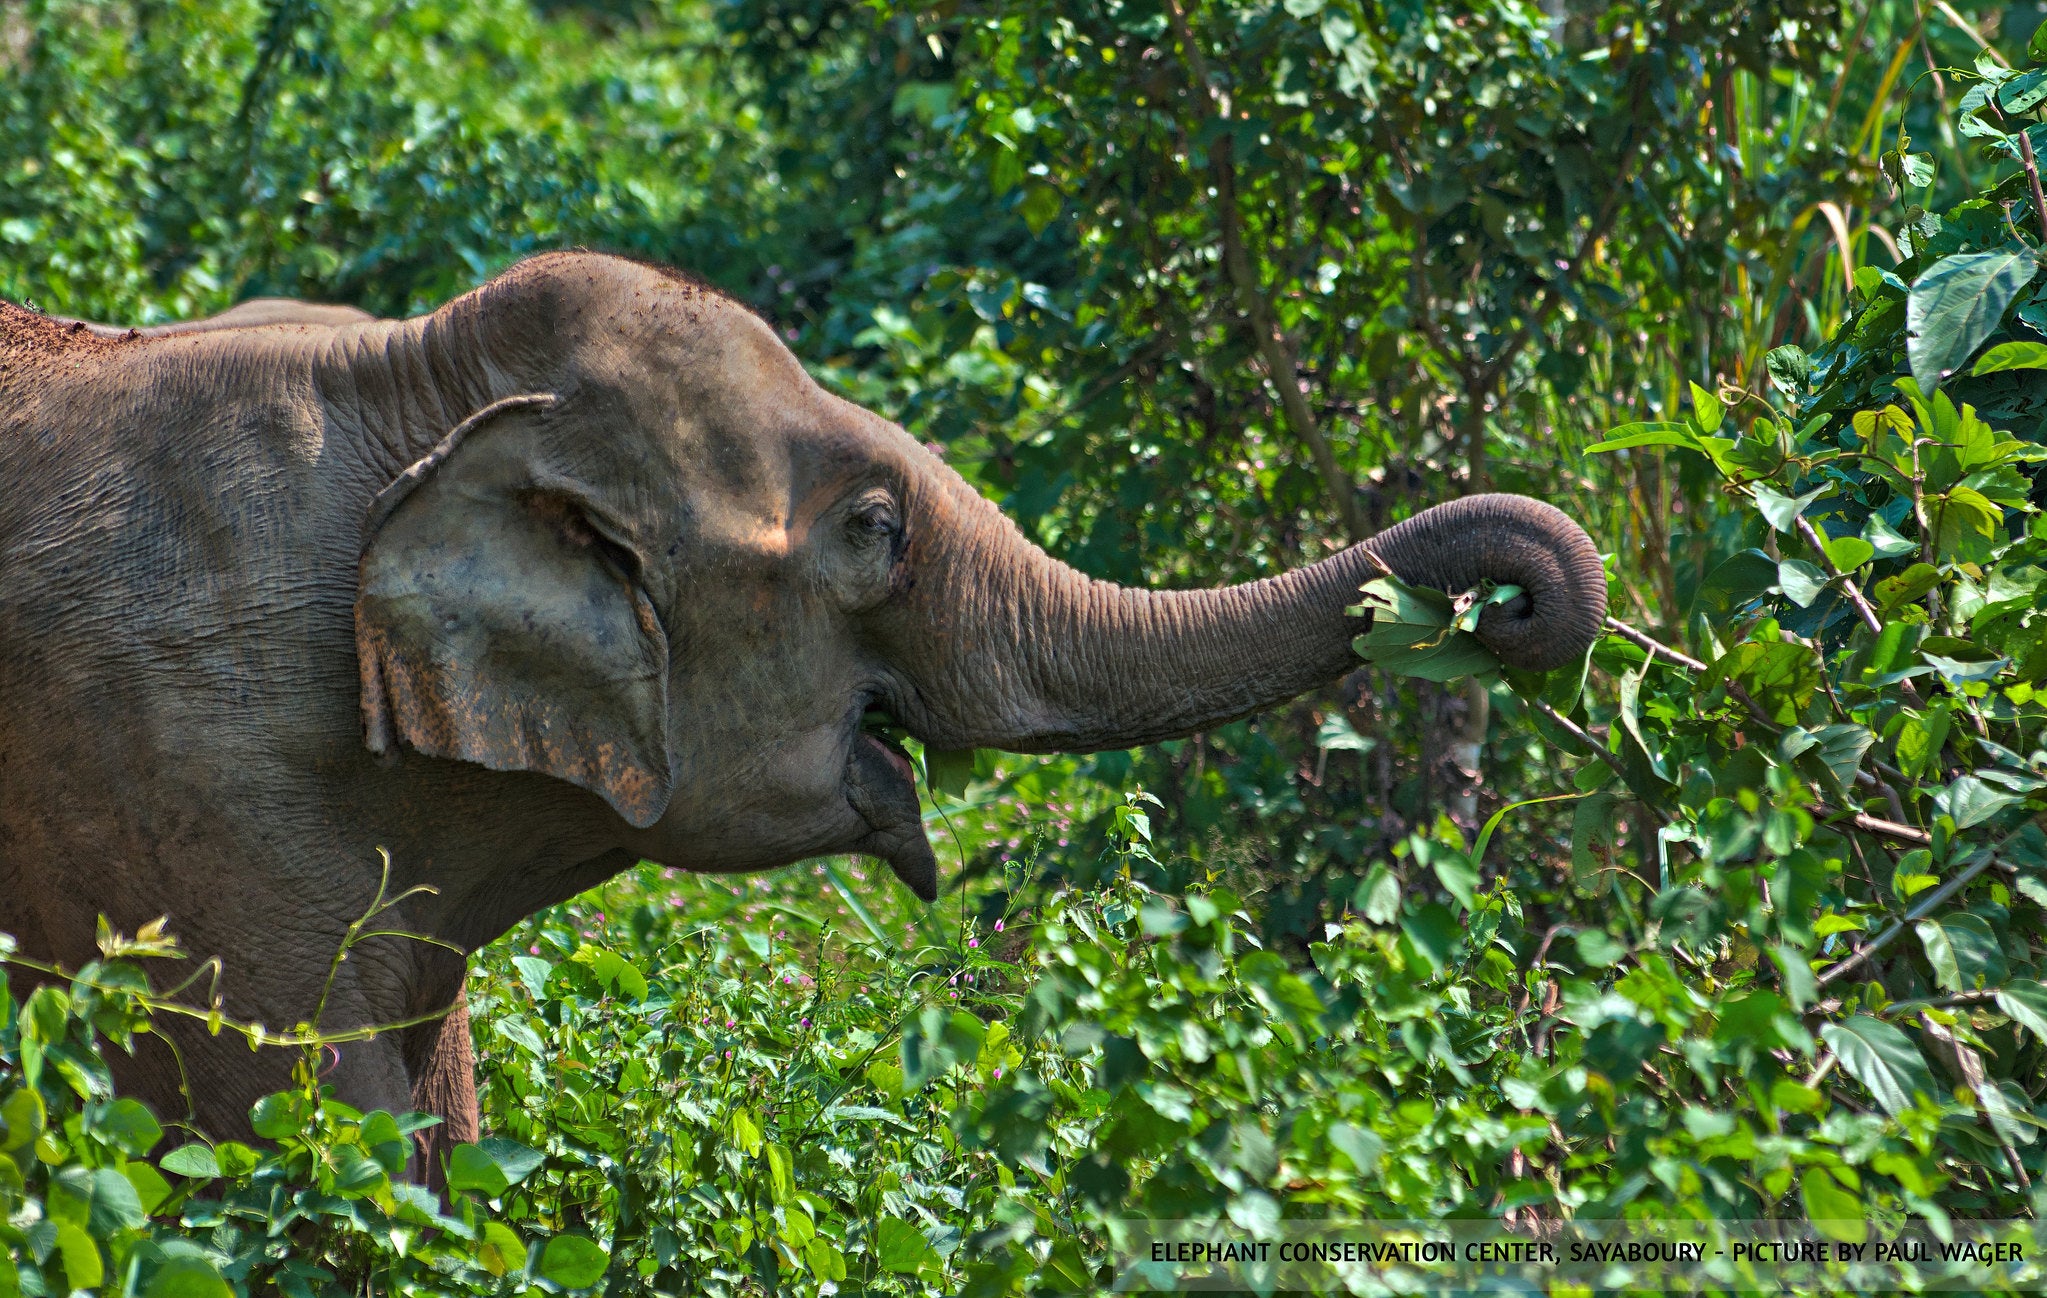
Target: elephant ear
(500,620)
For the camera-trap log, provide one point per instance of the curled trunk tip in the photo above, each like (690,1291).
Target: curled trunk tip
(1509,540)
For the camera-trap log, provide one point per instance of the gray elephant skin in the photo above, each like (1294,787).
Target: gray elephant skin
(580,569)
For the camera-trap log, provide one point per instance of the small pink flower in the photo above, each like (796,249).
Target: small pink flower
(534,949)
(998,1072)
(953,995)
(973,942)
(731,1023)
(804,1024)
(998,926)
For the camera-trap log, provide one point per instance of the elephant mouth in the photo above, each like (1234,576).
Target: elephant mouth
(881,786)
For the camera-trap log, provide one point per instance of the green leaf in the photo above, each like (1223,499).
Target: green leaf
(901,1247)
(500,1250)
(515,1160)
(1939,954)
(21,1119)
(1707,409)
(1378,897)
(276,1116)
(1840,748)
(1628,436)
(1832,1209)
(115,1205)
(746,1133)
(1433,930)
(1599,949)
(2011,356)
(235,1158)
(131,1126)
(1972,957)
(612,970)
(1957,303)
(573,1262)
(1735,582)
(949,771)
(1360,1145)
(1907,585)
(195,1161)
(2023,93)
(83,1267)
(1790,369)
(470,1168)
(1847,553)
(187,1277)
(1413,633)
(150,1187)
(1801,581)
(2026,1001)
(1459,876)
(1040,206)
(1594,832)
(1971,801)
(1882,1058)
(1781,510)
(1780,677)
(355,1172)
(781,1176)
(1885,539)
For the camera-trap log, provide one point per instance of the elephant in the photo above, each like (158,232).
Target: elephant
(580,569)
(243,315)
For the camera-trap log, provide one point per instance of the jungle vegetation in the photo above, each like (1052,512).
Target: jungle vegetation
(1742,919)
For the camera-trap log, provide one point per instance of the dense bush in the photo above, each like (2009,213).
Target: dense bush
(1772,949)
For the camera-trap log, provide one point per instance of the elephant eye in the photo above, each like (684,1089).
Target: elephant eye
(874,521)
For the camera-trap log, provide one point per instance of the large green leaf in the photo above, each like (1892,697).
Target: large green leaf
(2026,1001)
(573,1262)
(901,1247)
(187,1277)
(1957,303)
(470,1168)
(1882,1058)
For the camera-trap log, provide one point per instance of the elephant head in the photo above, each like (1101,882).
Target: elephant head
(649,556)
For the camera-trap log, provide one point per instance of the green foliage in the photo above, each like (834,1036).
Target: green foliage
(1777,952)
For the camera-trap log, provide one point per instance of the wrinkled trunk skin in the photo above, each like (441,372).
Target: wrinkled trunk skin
(1004,647)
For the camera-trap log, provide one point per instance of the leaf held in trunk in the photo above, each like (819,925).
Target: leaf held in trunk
(1421,632)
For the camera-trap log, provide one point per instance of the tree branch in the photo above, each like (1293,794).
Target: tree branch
(1275,349)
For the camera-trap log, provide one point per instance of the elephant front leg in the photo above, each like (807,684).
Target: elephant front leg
(442,1062)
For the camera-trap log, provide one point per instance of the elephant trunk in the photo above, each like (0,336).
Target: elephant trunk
(1033,656)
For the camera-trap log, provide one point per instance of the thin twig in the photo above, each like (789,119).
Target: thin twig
(1627,632)
(1933,901)
(1739,694)
(1848,587)
(2033,179)
(1887,828)
(1578,733)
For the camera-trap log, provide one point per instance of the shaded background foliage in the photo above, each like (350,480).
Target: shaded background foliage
(1201,292)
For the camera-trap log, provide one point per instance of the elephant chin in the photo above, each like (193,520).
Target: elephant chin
(882,787)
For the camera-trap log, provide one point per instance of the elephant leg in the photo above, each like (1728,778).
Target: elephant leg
(443,1066)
